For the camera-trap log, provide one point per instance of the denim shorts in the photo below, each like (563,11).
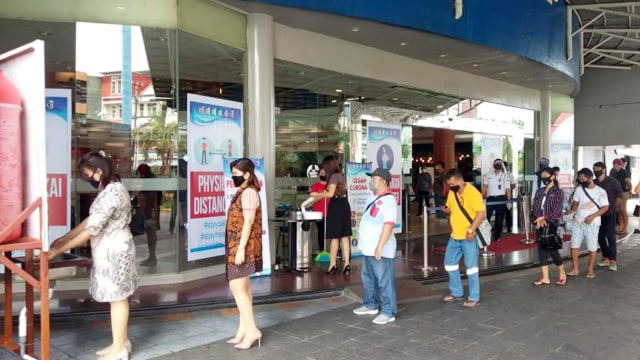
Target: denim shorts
(585,232)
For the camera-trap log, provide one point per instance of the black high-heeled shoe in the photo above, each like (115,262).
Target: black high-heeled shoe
(346,270)
(332,270)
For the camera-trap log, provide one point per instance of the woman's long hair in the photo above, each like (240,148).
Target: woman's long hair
(330,165)
(247,166)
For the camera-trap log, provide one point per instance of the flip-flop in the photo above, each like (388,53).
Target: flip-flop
(591,275)
(571,273)
(471,303)
(450,298)
(561,282)
(539,283)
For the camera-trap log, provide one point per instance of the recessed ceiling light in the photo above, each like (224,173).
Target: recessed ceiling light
(355,29)
(503,73)
(403,43)
(550,86)
(350,81)
(301,73)
(120,7)
(443,55)
(44,33)
(334,101)
(439,106)
(338,90)
(394,99)
(474,65)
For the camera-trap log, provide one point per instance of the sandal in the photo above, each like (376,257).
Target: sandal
(573,273)
(539,282)
(602,263)
(561,282)
(591,275)
(471,303)
(450,298)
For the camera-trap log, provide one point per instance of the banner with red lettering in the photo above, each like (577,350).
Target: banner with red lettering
(58,130)
(358,190)
(214,131)
(384,149)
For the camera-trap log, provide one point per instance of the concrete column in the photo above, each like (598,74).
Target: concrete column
(259,123)
(543,127)
(444,145)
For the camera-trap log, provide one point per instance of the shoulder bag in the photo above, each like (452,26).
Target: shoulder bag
(548,236)
(483,231)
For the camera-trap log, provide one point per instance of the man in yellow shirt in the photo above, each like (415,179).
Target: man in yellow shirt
(463,240)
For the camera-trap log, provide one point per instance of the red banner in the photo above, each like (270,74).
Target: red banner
(57,198)
(207,194)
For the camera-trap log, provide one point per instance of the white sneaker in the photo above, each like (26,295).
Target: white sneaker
(363,310)
(383,319)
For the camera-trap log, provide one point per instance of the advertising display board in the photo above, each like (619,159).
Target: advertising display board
(384,150)
(214,131)
(358,190)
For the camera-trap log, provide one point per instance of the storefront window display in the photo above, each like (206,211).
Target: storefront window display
(129,86)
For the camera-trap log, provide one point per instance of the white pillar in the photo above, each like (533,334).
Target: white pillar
(259,127)
(544,126)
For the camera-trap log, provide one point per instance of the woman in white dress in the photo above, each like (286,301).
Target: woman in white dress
(113,274)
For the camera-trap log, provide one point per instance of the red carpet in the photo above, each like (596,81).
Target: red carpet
(509,243)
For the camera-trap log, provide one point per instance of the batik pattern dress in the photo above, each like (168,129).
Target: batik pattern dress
(235,221)
(114,276)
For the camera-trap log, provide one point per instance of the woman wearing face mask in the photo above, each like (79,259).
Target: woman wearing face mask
(113,274)
(338,214)
(547,211)
(243,244)
(321,205)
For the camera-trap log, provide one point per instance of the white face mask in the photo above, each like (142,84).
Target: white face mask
(373,186)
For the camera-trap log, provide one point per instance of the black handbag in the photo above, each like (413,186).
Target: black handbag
(548,238)
(138,225)
(636,211)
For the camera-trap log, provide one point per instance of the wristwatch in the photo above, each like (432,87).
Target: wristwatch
(470,231)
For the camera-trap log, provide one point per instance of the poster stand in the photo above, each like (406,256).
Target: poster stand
(28,245)
(526,209)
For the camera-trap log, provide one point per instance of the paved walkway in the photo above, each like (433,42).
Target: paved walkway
(586,319)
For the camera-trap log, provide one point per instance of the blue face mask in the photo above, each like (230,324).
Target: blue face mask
(95,184)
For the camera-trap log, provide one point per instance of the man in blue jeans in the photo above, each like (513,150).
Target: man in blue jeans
(463,237)
(378,245)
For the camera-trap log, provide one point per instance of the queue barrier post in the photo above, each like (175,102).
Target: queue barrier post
(526,209)
(425,268)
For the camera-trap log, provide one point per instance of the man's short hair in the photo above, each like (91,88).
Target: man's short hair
(441,163)
(600,164)
(453,173)
(586,172)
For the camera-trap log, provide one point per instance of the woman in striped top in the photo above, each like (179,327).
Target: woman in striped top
(547,211)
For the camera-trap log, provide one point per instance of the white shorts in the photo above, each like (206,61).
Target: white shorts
(585,232)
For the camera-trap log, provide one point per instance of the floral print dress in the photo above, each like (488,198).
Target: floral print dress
(235,221)
(114,276)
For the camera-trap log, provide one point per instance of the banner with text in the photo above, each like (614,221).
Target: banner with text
(58,130)
(214,131)
(358,189)
(384,150)
(230,191)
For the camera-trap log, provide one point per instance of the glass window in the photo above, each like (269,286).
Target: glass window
(116,85)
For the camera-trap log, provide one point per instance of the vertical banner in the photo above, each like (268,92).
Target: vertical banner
(358,190)
(384,150)
(214,131)
(491,150)
(58,132)
(230,191)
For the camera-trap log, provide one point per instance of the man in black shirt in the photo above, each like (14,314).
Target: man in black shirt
(607,232)
(624,178)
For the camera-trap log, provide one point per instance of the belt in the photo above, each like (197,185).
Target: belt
(339,196)
(497,196)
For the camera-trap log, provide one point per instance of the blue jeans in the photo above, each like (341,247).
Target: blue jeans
(455,250)
(439,200)
(379,276)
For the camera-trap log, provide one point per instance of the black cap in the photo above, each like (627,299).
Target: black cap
(383,173)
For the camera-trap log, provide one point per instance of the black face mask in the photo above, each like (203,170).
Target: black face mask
(598,173)
(237,180)
(323,178)
(95,184)
(455,188)
(585,183)
(546,181)
(497,166)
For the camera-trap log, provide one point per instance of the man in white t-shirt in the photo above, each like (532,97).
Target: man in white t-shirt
(378,245)
(589,203)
